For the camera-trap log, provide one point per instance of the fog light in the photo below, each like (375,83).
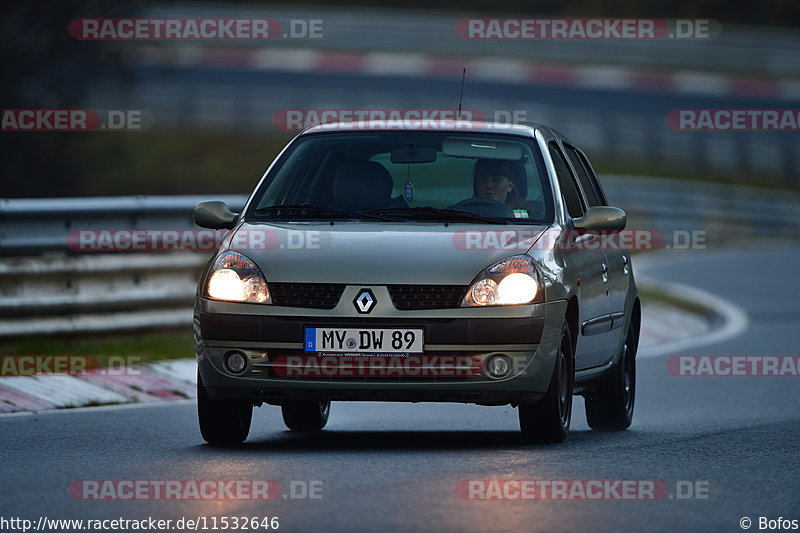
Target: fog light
(498,366)
(236,362)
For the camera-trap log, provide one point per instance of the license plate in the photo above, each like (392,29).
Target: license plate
(364,340)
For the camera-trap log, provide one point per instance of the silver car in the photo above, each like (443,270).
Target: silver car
(470,262)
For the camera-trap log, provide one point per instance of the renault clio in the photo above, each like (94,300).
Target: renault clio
(418,264)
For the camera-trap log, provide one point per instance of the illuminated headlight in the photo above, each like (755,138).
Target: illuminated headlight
(511,281)
(235,278)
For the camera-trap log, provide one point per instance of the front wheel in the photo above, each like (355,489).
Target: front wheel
(222,422)
(306,416)
(547,421)
(609,404)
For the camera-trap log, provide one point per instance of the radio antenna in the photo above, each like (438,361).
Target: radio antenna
(461,97)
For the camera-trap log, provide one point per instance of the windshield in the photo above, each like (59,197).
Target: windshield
(400,176)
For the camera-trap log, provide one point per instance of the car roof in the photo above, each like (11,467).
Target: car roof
(527,129)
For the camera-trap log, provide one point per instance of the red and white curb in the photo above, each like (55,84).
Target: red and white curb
(662,323)
(486,68)
(155,382)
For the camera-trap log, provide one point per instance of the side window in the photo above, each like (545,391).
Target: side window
(593,178)
(567,182)
(589,189)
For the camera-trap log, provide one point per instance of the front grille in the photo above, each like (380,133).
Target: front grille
(307,295)
(408,297)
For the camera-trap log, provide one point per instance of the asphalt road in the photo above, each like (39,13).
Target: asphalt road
(386,467)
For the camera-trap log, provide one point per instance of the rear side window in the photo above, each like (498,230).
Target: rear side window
(593,178)
(591,189)
(567,182)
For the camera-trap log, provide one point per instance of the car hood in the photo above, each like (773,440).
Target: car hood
(378,253)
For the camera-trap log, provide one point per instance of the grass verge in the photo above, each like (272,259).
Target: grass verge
(650,295)
(145,346)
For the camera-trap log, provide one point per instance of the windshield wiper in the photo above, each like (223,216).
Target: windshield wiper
(433,213)
(342,213)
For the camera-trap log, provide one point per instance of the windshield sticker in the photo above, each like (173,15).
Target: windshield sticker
(520,213)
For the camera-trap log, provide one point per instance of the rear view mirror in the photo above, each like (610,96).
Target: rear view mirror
(600,218)
(413,154)
(214,215)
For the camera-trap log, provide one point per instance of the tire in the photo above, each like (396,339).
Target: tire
(547,421)
(222,422)
(306,416)
(610,403)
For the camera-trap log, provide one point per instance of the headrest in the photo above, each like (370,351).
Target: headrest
(362,185)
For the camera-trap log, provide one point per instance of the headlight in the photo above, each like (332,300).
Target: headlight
(511,281)
(235,278)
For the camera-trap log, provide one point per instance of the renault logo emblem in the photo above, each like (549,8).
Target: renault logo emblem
(364,301)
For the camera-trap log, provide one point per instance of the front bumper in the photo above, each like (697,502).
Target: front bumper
(528,335)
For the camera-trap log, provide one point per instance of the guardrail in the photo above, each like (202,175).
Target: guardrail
(45,295)
(726,213)
(46,287)
(34,225)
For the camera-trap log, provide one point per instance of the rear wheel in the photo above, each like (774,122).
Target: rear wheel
(609,404)
(547,421)
(222,422)
(306,416)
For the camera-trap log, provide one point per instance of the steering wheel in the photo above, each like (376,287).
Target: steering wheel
(485,207)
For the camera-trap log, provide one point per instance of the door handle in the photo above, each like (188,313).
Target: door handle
(605,273)
(625,267)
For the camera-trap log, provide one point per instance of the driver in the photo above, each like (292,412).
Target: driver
(493,179)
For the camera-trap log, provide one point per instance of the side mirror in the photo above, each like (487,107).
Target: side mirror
(214,215)
(601,218)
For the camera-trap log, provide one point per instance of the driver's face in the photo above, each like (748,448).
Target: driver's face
(493,187)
